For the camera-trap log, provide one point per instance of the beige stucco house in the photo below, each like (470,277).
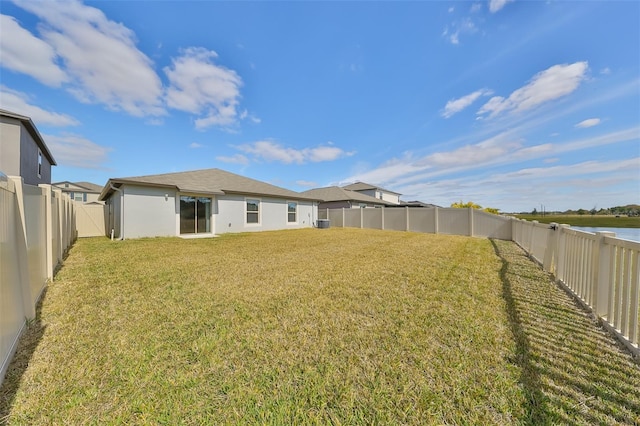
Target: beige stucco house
(335,197)
(375,192)
(201,203)
(82,192)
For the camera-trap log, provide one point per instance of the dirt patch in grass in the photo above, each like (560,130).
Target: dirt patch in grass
(338,326)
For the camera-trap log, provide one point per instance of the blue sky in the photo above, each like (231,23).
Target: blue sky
(511,104)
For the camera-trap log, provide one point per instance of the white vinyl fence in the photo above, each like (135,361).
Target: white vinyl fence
(601,271)
(37,226)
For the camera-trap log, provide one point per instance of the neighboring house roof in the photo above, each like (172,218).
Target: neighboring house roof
(87,186)
(361,186)
(416,204)
(335,193)
(33,131)
(208,181)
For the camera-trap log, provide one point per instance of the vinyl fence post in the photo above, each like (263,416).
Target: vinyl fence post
(59,225)
(602,274)
(361,217)
(406,218)
(382,218)
(551,249)
(435,220)
(532,233)
(49,229)
(471,221)
(561,253)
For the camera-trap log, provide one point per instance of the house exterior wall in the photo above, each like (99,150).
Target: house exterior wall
(148,213)
(114,214)
(381,195)
(9,146)
(29,161)
(74,191)
(230,214)
(19,153)
(392,198)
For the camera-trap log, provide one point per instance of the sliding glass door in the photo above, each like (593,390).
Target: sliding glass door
(195,215)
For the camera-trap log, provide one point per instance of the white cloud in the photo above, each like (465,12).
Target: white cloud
(502,149)
(273,151)
(590,122)
(201,87)
(195,145)
(476,7)
(234,159)
(306,183)
(23,52)
(456,105)
(101,56)
(573,170)
(18,102)
(76,151)
(481,152)
(547,85)
(451,9)
(558,187)
(496,5)
(155,121)
(605,71)
(245,115)
(459,27)
(324,153)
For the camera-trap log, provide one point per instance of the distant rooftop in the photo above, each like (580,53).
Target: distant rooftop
(335,193)
(362,186)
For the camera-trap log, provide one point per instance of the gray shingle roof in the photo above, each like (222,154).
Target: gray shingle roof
(335,193)
(207,181)
(90,187)
(361,186)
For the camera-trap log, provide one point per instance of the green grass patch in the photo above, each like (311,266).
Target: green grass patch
(586,220)
(337,326)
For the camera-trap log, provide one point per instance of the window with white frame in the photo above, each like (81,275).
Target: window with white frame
(253,211)
(292,212)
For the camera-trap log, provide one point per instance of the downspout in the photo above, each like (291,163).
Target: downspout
(121,210)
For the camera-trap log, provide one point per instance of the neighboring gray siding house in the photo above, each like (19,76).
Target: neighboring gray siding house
(201,202)
(375,192)
(82,192)
(334,197)
(23,152)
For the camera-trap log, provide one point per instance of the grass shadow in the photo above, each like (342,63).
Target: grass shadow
(530,375)
(26,348)
(572,370)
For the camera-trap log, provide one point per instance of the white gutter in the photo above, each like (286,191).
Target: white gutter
(121,210)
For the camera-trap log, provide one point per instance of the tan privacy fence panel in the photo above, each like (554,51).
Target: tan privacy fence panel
(90,220)
(37,226)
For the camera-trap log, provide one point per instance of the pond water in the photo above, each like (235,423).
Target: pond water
(624,233)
